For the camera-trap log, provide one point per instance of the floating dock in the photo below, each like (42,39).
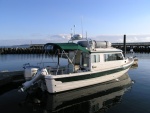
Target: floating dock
(9,77)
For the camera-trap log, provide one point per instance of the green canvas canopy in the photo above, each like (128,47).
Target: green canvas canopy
(66,46)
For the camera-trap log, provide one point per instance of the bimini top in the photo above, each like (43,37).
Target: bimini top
(65,47)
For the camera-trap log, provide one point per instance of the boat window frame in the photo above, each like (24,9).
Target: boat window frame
(113,57)
(95,58)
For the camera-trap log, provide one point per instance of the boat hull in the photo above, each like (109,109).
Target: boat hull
(56,84)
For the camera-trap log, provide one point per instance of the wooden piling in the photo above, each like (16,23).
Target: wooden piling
(124,45)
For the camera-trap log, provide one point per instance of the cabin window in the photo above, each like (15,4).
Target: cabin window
(85,60)
(95,58)
(113,57)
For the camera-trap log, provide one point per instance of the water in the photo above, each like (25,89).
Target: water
(124,99)
(16,62)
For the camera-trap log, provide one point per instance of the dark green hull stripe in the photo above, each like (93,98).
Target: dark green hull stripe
(105,51)
(89,76)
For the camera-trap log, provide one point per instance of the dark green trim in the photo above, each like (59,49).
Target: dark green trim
(104,51)
(90,76)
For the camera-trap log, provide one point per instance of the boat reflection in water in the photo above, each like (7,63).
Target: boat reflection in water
(97,98)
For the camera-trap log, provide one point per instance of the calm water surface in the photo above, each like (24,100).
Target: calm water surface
(133,98)
(15,62)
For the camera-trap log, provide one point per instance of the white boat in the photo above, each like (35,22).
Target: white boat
(89,62)
(92,99)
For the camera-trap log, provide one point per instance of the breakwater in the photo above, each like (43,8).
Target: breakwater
(21,51)
(32,49)
(138,47)
(141,47)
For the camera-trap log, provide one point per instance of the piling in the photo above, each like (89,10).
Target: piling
(124,45)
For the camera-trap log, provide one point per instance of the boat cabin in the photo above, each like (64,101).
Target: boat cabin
(85,56)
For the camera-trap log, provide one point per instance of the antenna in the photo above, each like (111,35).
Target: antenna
(86,34)
(74,29)
(87,41)
(82,26)
(71,32)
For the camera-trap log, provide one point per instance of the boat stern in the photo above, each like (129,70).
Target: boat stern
(51,84)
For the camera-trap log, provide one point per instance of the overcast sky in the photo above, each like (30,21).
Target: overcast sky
(43,21)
